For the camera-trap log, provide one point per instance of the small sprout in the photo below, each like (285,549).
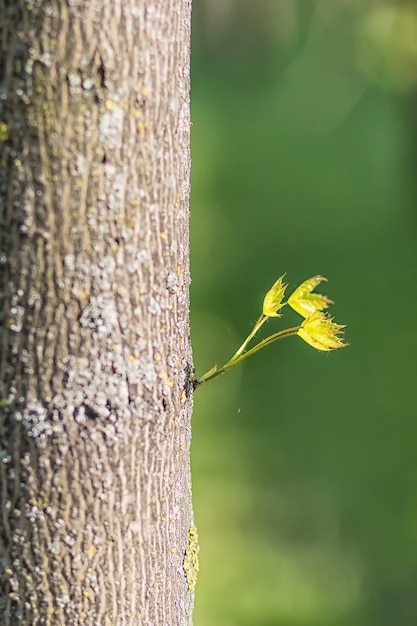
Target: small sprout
(317,329)
(304,302)
(321,332)
(273,299)
(212,371)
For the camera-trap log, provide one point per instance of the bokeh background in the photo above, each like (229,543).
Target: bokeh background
(304,146)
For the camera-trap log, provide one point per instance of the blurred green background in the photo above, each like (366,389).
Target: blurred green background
(304,145)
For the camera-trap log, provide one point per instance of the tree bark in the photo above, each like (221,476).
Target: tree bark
(95,354)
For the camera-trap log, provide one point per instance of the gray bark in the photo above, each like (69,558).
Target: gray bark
(95,498)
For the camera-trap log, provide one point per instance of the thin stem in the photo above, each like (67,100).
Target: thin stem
(281,334)
(262,319)
(287,332)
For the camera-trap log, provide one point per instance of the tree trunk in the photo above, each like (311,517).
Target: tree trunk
(94,343)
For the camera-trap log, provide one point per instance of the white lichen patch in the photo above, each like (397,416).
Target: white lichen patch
(111,127)
(174,283)
(154,307)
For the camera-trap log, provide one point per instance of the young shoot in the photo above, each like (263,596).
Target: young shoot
(317,328)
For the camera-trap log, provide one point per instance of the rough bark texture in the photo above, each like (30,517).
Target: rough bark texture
(94,341)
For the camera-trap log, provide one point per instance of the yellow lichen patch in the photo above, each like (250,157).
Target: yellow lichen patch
(111,105)
(4,134)
(191,561)
(141,127)
(83,294)
(144,92)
